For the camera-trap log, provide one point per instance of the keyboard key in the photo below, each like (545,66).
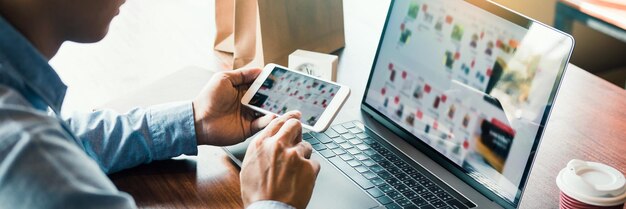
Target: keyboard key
(454,203)
(378,181)
(398,185)
(369,175)
(375,192)
(395,171)
(339,140)
(402,165)
(370,152)
(444,196)
(376,168)
(393,159)
(361,169)
(331,133)
(348,125)
(346,157)
(386,188)
(307,136)
(351,172)
(332,145)
(378,158)
(435,189)
(368,141)
(353,163)
(327,153)
(368,162)
(360,157)
(428,196)
(409,170)
(417,176)
(345,145)
(319,147)
(322,137)
(410,183)
(393,206)
(402,189)
(385,175)
(353,151)
(355,130)
(348,136)
(403,177)
(384,200)
(419,201)
(438,203)
(312,141)
(355,141)
(393,181)
(361,136)
(420,189)
(427,207)
(395,195)
(410,194)
(386,164)
(404,202)
(428,184)
(339,151)
(340,129)
(377,147)
(362,147)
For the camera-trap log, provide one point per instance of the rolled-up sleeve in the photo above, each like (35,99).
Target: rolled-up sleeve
(119,141)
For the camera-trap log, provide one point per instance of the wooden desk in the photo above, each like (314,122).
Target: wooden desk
(587,123)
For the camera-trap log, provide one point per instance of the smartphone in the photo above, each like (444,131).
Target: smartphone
(278,90)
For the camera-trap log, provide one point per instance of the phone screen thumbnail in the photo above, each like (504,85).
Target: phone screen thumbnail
(284,91)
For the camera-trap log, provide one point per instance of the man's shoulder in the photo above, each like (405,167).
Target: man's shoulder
(18,118)
(10,98)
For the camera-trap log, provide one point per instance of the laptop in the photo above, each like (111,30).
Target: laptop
(453,111)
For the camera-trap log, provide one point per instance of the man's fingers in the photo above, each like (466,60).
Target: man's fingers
(262,122)
(290,133)
(304,149)
(242,76)
(278,122)
(316,166)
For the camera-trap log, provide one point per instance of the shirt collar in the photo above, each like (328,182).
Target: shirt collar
(26,70)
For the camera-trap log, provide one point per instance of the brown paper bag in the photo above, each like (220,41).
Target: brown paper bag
(257,32)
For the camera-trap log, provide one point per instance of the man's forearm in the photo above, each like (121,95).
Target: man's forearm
(118,141)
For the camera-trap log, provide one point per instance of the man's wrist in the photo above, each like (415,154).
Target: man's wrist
(173,129)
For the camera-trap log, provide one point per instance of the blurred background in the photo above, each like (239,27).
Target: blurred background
(153,40)
(595,51)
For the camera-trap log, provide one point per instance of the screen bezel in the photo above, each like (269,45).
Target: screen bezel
(511,16)
(327,116)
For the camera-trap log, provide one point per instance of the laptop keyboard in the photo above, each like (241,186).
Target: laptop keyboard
(386,177)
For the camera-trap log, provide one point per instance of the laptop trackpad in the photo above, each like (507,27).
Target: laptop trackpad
(334,190)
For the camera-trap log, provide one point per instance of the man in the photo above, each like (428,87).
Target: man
(51,162)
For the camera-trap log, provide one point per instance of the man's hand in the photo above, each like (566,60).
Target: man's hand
(277,165)
(220,118)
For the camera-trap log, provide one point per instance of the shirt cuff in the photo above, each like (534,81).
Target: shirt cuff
(271,204)
(173,131)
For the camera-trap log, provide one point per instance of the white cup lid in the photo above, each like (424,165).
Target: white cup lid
(592,183)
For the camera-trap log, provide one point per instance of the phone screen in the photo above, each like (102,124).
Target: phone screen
(284,91)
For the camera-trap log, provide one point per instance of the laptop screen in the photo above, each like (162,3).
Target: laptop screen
(470,84)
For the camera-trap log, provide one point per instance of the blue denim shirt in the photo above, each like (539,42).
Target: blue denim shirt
(51,162)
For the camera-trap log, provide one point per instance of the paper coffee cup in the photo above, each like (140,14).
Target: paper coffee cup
(591,185)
